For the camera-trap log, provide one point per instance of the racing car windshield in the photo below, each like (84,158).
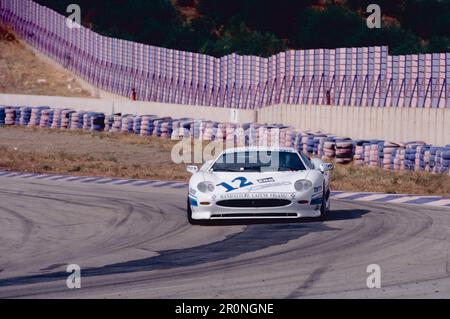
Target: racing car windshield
(259,161)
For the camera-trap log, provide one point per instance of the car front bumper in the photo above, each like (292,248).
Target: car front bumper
(296,205)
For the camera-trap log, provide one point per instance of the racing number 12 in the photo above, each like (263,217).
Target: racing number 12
(230,188)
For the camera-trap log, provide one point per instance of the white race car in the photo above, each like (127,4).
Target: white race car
(257,182)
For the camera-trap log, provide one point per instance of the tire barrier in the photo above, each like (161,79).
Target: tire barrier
(109,120)
(97,122)
(35,117)
(46,120)
(2,115)
(25,115)
(412,155)
(147,125)
(117,123)
(10,116)
(344,150)
(127,123)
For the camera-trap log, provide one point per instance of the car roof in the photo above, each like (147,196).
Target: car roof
(259,149)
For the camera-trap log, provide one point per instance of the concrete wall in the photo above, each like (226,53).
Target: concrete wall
(109,106)
(395,124)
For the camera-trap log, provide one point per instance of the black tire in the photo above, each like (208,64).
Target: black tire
(323,207)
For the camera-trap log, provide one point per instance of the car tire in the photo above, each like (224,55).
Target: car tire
(323,206)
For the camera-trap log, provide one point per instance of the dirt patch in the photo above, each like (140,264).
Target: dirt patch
(82,153)
(132,156)
(21,72)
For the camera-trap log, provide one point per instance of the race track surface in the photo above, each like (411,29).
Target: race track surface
(136,243)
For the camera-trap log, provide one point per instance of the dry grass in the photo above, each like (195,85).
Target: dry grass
(131,156)
(88,154)
(369,179)
(21,72)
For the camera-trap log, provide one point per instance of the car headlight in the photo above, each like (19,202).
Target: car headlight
(302,185)
(205,187)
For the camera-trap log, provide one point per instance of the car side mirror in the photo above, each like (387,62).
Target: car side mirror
(324,167)
(192,169)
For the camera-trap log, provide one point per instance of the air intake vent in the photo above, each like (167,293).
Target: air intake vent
(255,203)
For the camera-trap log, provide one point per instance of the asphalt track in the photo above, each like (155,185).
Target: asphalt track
(136,243)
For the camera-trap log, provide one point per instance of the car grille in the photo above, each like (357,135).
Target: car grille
(254,203)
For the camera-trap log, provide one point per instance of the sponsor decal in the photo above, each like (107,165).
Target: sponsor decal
(263,186)
(193,201)
(254,196)
(238,182)
(265,180)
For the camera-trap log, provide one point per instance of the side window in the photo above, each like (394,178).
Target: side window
(306,160)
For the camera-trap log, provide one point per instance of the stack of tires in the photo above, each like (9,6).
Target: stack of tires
(373,153)
(344,150)
(208,130)
(47,118)
(442,160)
(432,161)
(329,148)
(97,122)
(358,157)
(181,128)
(76,120)
(319,140)
(66,118)
(117,123)
(290,134)
(17,115)
(195,129)
(231,131)
(35,117)
(87,121)
(388,155)
(109,120)
(56,123)
(147,125)
(410,155)
(175,130)
(166,129)
(308,147)
(127,124)
(2,115)
(422,161)
(137,125)
(185,127)
(221,131)
(10,116)
(25,115)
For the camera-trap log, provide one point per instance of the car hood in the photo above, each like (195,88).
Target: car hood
(253,181)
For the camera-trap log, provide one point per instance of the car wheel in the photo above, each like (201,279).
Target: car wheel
(323,207)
